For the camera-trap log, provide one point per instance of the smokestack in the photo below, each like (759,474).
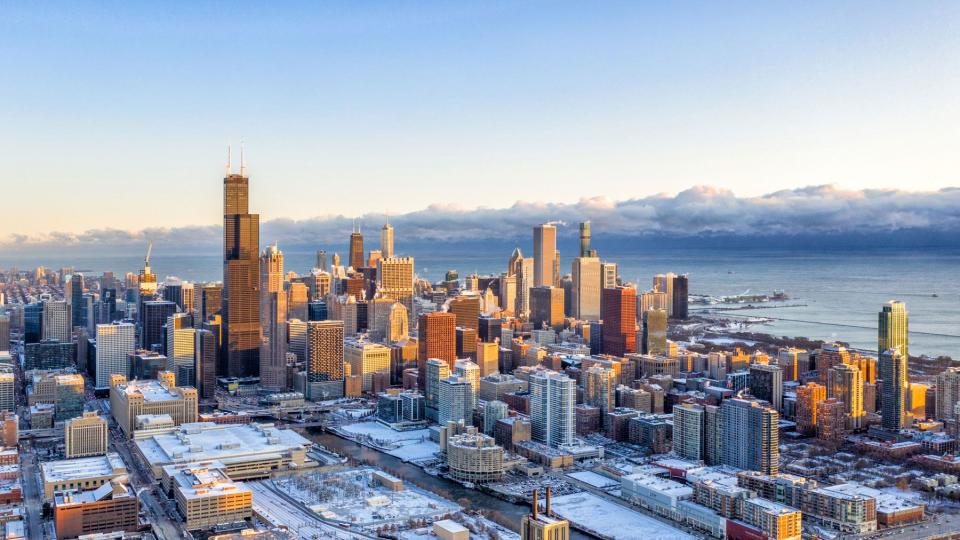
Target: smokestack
(536,503)
(547,513)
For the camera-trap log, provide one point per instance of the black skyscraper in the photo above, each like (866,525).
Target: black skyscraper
(241,279)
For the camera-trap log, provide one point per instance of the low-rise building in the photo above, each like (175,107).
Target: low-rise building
(659,495)
(112,507)
(247,450)
(207,497)
(80,473)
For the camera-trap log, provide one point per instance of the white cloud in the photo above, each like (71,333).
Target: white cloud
(701,210)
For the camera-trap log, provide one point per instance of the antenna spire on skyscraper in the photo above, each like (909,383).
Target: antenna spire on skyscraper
(229,156)
(243,165)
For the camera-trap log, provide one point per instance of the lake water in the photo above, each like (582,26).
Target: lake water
(842,290)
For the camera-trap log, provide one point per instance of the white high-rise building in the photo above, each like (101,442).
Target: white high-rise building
(181,347)
(114,343)
(56,320)
(585,299)
(7,392)
(437,370)
(688,422)
(297,335)
(470,372)
(455,397)
(553,397)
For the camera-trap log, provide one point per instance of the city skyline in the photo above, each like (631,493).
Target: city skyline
(563,103)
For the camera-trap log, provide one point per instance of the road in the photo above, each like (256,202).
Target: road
(32,492)
(165,524)
(286,511)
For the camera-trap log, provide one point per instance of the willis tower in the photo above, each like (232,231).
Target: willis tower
(241,278)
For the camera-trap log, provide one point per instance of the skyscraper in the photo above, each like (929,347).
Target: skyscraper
(680,296)
(241,278)
(211,301)
(544,254)
(152,319)
(325,372)
(466,306)
(386,240)
(766,383)
(598,388)
(546,307)
(845,382)
(948,393)
(437,338)
(585,250)
(434,371)
(522,270)
(654,336)
(893,371)
(586,287)
(273,315)
(75,299)
(688,435)
(321,261)
(205,351)
(750,435)
(470,372)
(664,283)
(619,307)
(453,402)
(356,248)
(553,397)
(57,320)
(893,328)
(180,351)
(808,396)
(395,281)
(115,342)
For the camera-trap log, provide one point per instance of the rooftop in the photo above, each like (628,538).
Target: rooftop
(200,482)
(151,390)
(203,441)
(773,507)
(660,485)
(79,468)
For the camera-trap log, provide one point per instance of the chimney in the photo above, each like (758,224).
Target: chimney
(548,501)
(536,503)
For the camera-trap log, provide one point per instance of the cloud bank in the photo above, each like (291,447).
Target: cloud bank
(698,211)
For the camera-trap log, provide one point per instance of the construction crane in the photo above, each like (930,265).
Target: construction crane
(146,260)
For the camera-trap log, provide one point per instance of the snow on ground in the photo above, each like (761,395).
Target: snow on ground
(594,479)
(728,341)
(416,451)
(612,520)
(409,445)
(355,497)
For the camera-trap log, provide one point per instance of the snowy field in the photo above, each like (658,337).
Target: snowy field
(410,445)
(594,479)
(352,496)
(612,520)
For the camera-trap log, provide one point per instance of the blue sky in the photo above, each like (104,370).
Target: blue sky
(117,114)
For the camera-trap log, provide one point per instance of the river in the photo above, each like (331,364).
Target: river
(503,512)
